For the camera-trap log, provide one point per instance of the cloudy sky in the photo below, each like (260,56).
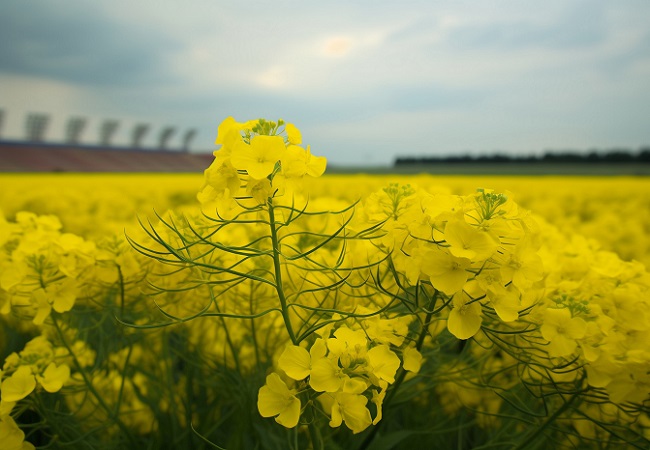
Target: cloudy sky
(364,80)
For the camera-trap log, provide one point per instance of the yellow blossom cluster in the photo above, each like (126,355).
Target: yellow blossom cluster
(596,312)
(256,159)
(480,251)
(35,365)
(342,370)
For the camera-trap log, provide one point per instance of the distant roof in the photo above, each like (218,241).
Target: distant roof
(39,157)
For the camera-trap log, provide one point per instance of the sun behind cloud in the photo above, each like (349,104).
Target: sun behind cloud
(274,77)
(337,46)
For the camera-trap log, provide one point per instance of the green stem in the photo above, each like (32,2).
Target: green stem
(121,280)
(278,274)
(316,438)
(525,443)
(113,415)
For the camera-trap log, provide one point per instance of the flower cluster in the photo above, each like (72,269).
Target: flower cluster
(342,370)
(595,312)
(39,363)
(44,267)
(257,159)
(39,366)
(480,251)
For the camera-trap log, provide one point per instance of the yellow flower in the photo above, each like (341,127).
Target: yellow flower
(523,266)
(445,271)
(19,385)
(60,297)
(348,408)
(276,399)
(298,162)
(54,377)
(40,299)
(12,276)
(348,345)
(411,265)
(466,241)
(6,407)
(378,400)
(296,362)
(505,301)
(258,158)
(222,177)
(383,363)
(562,330)
(412,359)
(229,131)
(77,256)
(465,319)
(12,437)
(326,375)
(293,134)
(355,385)
(315,164)
(260,190)
(629,386)
(386,331)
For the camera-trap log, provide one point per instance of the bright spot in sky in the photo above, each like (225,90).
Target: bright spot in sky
(337,46)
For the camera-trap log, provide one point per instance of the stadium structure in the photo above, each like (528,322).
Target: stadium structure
(35,154)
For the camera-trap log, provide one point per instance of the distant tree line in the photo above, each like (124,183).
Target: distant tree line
(614,156)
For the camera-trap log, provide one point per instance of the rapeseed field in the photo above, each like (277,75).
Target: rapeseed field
(267,304)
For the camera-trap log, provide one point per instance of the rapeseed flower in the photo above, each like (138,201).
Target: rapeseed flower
(11,436)
(349,408)
(19,385)
(275,399)
(561,329)
(466,241)
(259,157)
(465,318)
(447,273)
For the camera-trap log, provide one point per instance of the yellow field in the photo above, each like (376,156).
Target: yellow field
(614,211)
(289,310)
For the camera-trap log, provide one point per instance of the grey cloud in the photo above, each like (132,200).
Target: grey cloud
(618,63)
(74,42)
(579,27)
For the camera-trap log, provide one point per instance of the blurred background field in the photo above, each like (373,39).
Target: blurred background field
(613,211)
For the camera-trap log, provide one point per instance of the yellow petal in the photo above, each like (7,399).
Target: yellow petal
(291,414)
(228,131)
(11,276)
(446,272)
(354,411)
(465,321)
(19,385)
(54,377)
(324,376)
(412,359)
(13,438)
(315,165)
(275,399)
(296,362)
(384,363)
(293,134)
